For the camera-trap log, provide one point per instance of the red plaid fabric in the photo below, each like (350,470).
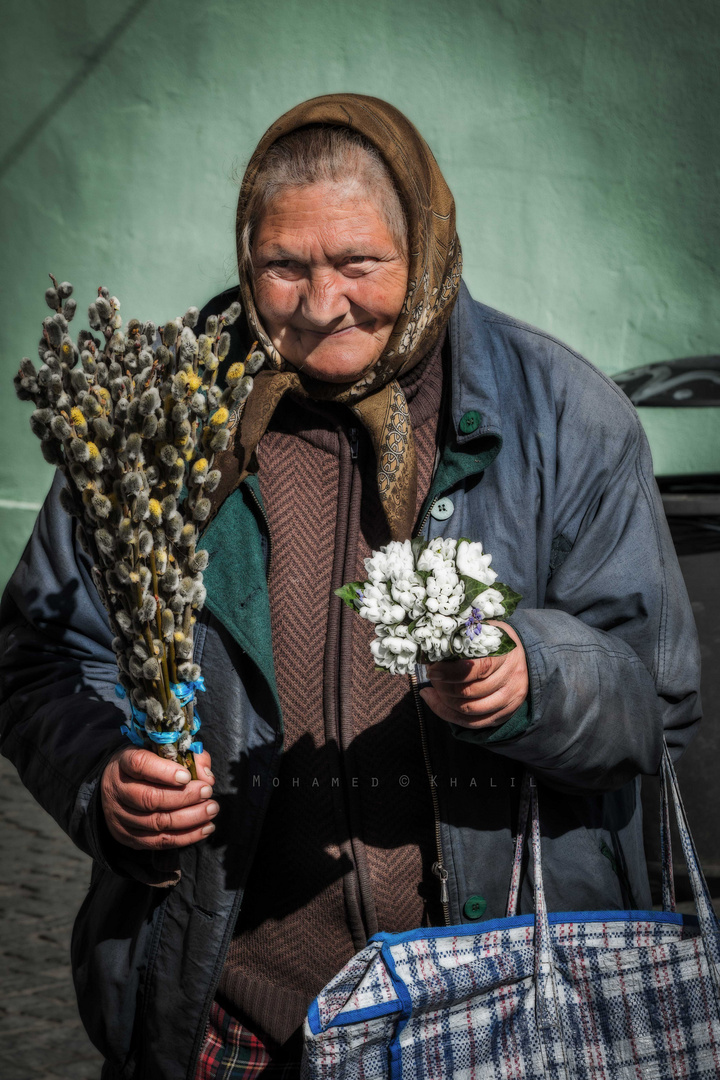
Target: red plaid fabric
(231,1052)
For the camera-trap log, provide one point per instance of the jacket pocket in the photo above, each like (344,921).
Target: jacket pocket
(576,874)
(109,952)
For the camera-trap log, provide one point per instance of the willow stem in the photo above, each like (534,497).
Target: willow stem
(165,672)
(147,633)
(163,684)
(189,758)
(171,660)
(187,615)
(158,615)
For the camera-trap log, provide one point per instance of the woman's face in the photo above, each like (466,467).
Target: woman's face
(328,279)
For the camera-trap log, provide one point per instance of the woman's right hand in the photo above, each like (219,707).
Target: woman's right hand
(151,803)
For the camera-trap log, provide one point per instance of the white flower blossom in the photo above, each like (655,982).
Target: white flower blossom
(489,603)
(377,605)
(439,553)
(486,642)
(434,634)
(394,649)
(472,563)
(394,561)
(393,568)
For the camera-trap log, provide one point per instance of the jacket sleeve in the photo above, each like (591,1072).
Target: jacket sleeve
(59,715)
(613,656)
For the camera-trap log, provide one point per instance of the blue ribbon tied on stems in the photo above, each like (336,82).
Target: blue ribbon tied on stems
(136,730)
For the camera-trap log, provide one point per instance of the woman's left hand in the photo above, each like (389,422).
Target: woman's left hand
(479,693)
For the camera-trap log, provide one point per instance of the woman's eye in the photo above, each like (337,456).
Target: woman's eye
(358,260)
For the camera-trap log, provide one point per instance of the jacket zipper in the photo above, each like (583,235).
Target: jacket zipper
(438,868)
(354,444)
(421,526)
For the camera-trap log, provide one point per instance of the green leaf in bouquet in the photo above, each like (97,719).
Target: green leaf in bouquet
(350,593)
(473,588)
(418,545)
(506,645)
(511,599)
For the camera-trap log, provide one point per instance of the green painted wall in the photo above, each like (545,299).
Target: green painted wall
(580,138)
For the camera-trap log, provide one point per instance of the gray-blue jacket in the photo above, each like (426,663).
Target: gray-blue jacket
(545,461)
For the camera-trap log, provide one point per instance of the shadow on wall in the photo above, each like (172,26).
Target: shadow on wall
(65,93)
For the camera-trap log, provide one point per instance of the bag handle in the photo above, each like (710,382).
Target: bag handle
(666,856)
(669,788)
(522,821)
(707,919)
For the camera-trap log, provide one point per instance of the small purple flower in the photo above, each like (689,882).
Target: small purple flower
(473,624)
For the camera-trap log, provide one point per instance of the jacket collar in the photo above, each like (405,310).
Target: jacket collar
(474,360)
(470,427)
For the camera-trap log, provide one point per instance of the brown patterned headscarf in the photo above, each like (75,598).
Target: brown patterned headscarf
(435,264)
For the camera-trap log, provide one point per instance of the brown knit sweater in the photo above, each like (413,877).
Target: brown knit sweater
(345,849)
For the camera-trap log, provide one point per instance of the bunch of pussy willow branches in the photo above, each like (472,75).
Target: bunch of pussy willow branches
(133,418)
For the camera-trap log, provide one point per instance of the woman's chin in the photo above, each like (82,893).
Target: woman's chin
(329,368)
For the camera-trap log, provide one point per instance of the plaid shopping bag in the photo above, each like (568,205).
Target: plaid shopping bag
(583,995)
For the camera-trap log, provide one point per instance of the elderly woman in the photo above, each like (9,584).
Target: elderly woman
(344,801)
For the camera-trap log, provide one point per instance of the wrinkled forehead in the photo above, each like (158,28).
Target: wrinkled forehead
(341,219)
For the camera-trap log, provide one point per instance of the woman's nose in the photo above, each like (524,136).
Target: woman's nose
(325,299)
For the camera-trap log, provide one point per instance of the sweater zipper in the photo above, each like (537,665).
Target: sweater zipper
(438,868)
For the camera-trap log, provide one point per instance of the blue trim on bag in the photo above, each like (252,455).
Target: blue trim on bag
(394,1048)
(313,1017)
(473,929)
(385,1008)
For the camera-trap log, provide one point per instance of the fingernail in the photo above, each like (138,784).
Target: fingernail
(205,792)
(182,776)
(210,774)
(207,829)
(212,809)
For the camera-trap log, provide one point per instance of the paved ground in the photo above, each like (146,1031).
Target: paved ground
(43,879)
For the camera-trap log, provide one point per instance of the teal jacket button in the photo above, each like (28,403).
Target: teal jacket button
(475,907)
(442,509)
(470,422)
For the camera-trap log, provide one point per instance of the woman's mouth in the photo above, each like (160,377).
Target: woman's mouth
(332,333)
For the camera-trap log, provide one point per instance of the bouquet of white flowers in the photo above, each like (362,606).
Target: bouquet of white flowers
(133,418)
(429,602)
